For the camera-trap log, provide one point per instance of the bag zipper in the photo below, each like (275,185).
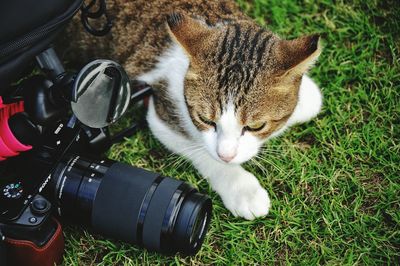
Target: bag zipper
(14,46)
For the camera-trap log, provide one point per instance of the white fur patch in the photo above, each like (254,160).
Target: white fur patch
(172,67)
(309,104)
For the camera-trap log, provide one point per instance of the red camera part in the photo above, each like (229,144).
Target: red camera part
(27,253)
(10,140)
(9,144)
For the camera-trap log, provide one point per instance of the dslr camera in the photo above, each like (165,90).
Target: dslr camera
(54,128)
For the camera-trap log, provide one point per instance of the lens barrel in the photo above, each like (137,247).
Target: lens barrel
(131,204)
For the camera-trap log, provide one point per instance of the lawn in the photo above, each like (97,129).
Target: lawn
(333,182)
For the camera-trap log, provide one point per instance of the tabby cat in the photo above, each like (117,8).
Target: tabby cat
(224,85)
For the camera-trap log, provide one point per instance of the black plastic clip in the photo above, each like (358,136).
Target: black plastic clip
(87,13)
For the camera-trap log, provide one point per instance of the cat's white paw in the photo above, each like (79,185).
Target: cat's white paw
(249,201)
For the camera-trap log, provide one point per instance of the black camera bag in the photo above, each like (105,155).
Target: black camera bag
(27,27)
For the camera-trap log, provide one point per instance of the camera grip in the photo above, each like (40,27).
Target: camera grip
(23,252)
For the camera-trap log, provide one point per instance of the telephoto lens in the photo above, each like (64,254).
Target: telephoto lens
(131,204)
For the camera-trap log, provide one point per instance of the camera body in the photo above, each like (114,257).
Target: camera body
(33,235)
(64,127)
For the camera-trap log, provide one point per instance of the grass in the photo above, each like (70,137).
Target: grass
(334,182)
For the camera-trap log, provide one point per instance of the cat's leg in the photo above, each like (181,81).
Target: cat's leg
(240,190)
(309,104)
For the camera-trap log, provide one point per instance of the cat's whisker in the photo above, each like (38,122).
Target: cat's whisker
(260,166)
(181,163)
(181,160)
(270,149)
(191,147)
(270,163)
(270,153)
(185,158)
(264,152)
(191,151)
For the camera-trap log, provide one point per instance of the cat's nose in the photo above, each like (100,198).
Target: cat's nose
(226,157)
(227,150)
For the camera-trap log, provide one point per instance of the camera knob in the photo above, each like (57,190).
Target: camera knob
(13,190)
(40,206)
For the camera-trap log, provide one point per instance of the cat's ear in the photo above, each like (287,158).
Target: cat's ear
(188,32)
(297,56)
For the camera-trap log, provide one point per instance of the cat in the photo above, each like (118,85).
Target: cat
(223,85)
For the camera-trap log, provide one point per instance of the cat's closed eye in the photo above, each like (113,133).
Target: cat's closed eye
(257,126)
(206,120)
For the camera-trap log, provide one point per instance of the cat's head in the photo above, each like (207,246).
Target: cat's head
(243,82)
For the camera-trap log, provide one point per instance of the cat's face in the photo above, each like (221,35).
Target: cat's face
(242,85)
(233,130)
